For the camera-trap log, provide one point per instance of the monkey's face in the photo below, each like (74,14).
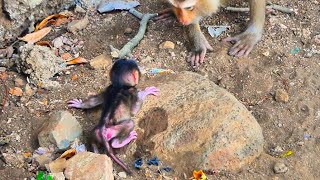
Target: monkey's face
(185,11)
(131,78)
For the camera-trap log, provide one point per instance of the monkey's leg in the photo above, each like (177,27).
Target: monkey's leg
(113,157)
(91,102)
(199,43)
(245,41)
(116,141)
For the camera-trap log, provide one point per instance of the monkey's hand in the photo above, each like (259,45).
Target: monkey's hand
(116,144)
(75,103)
(148,91)
(164,15)
(200,45)
(244,43)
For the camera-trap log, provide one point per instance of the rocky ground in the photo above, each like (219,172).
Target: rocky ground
(278,82)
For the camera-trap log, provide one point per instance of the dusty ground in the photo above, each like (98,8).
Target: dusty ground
(253,80)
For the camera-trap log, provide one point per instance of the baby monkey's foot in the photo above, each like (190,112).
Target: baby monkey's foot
(116,144)
(75,103)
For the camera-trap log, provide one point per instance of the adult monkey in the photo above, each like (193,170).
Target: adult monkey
(190,12)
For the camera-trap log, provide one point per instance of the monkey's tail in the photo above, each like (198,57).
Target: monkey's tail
(116,159)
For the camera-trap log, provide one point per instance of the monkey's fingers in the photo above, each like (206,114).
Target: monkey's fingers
(75,103)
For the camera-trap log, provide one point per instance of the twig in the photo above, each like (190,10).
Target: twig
(5,98)
(270,6)
(137,38)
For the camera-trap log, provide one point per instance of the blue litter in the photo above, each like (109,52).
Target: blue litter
(154,161)
(117,5)
(216,31)
(138,164)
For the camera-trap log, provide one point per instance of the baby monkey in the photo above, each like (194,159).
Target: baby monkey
(121,100)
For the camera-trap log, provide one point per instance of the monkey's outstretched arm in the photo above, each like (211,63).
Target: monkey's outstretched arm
(141,97)
(91,102)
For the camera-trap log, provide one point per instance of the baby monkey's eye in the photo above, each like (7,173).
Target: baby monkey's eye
(189,8)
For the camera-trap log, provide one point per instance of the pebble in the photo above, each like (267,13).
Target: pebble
(66,56)
(122,174)
(317,39)
(66,47)
(278,149)
(57,42)
(128,31)
(267,53)
(166,45)
(28,91)
(19,82)
(281,96)
(280,168)
(79,9)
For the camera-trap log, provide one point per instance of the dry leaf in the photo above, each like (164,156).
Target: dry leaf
(69,153)
(36,36)
(60,21)
(44,43)
(16,91)
(78,60)
(9,51)
(49,20)
(74,77)
(26,154)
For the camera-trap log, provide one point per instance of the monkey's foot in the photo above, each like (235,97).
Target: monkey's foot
(75,103)
(148,91)
(244,43)
(164,15)
(116,144)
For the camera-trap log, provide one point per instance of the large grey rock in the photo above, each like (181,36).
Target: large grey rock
(41,64)
(61,129)
(195,124)
(87,165)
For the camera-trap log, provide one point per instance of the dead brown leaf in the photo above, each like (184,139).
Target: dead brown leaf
(36,36)
(78,60)
(60,21)
(44,43)
(49,20)
(16,91)
(69,153)
(66,56)
(27,154)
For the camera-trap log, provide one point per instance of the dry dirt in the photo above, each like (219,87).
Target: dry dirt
(253,80)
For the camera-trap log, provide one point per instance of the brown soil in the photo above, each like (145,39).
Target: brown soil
(253,80)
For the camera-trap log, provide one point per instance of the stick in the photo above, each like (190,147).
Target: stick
(5,98)
(270,6)
(137,38)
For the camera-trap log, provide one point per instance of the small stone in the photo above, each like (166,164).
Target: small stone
(2,69)
(300,143)
(66,56)
(146,60)
(67,72)
(43,160)
(78,25)
(122,174)
(317,39)
(87,165)
(128,31)
(101,62)
(58,176)
(283,26)
(278,149)
(267,53)
(57,42)
(166,45)
(281,96)
(57,165)
(280,168)
(19,82)
(79,9)
(67,41)
(28,91)
(172,54)
(61,130)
